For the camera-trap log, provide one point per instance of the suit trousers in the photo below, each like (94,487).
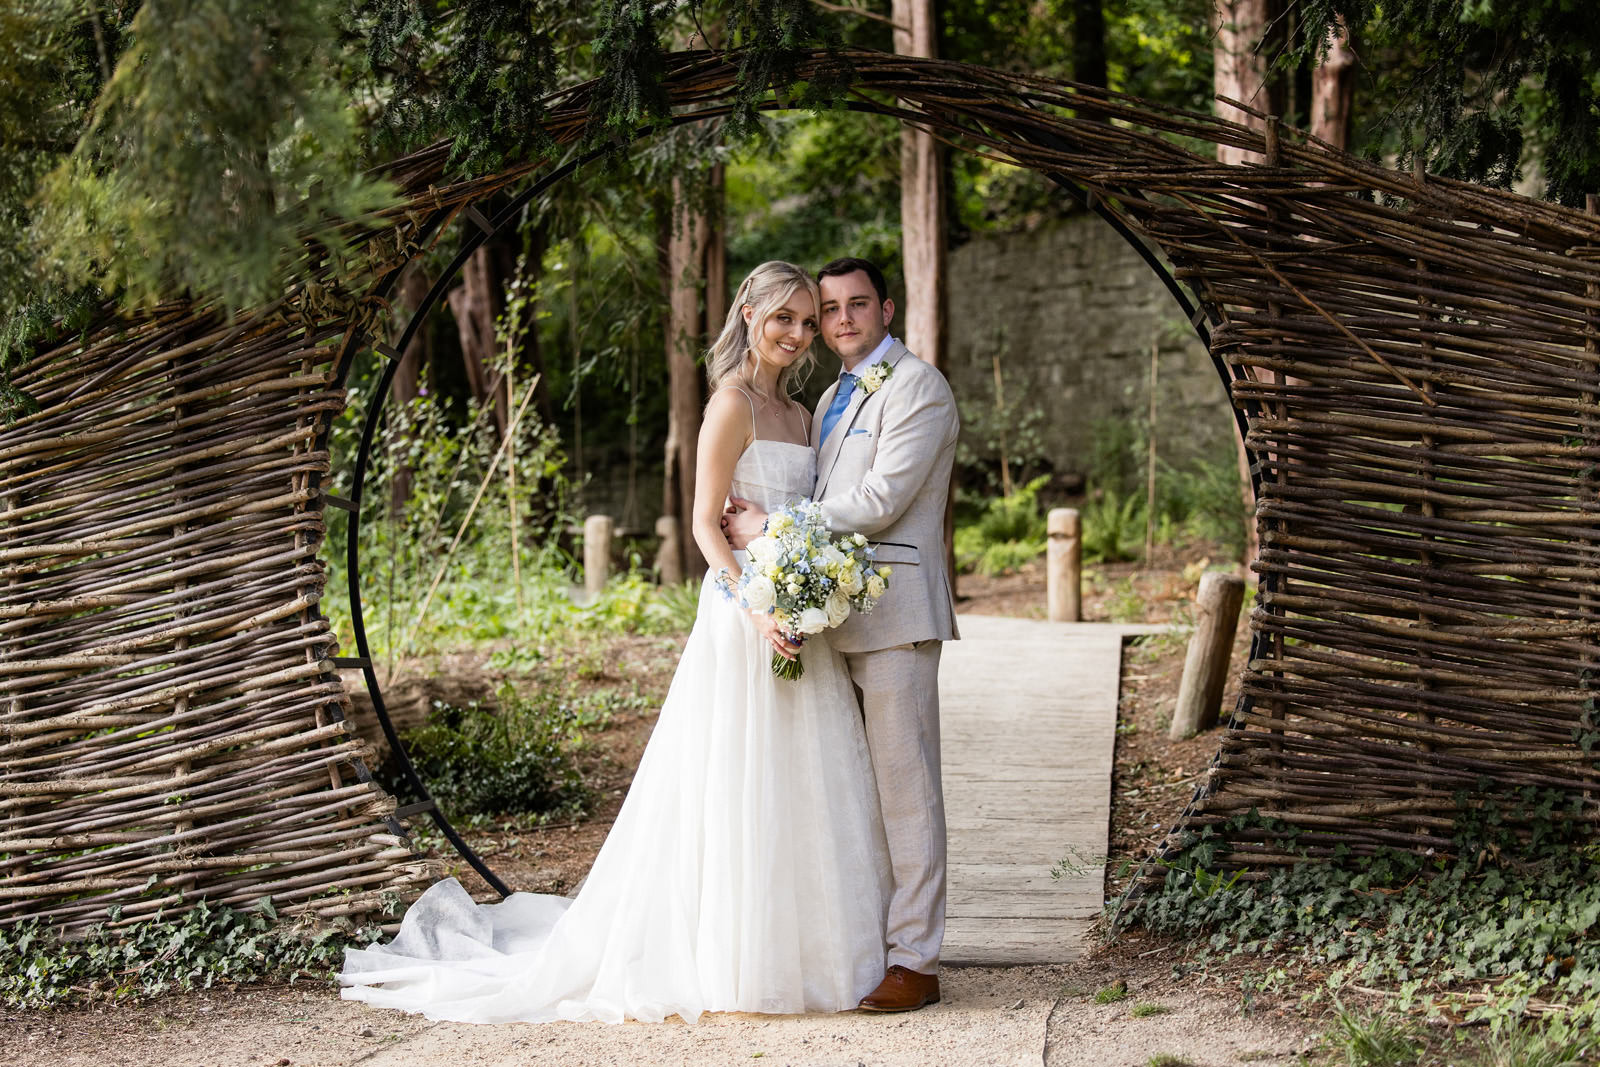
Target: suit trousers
(899,689)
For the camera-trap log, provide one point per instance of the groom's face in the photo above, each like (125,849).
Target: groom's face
(854,320)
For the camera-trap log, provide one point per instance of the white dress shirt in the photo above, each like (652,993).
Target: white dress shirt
(875,356)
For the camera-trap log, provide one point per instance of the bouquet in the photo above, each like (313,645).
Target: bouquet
(809,580)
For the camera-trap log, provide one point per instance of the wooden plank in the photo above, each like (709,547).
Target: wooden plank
(1028,727)
(979,908)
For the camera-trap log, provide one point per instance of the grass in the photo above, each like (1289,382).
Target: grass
(1528,1046)
(1167,1059)
(1374,1039)
(1145,1009)
(1112,993)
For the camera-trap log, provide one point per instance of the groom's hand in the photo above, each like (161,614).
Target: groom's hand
(742,523)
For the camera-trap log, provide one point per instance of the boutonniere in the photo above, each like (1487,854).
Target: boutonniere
(873,377)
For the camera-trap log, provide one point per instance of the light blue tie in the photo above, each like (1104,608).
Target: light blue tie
(841,400)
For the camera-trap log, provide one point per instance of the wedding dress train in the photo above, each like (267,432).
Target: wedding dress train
(746,870)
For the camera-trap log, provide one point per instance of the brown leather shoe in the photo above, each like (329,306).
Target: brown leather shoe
(902,989)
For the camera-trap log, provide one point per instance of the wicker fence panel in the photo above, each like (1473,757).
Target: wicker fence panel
(171,726)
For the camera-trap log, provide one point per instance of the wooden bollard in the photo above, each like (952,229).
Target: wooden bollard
(1064,566)
(669,560)
(596,552)
(1205,669)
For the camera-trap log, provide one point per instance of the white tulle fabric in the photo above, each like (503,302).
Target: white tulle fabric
(746,871)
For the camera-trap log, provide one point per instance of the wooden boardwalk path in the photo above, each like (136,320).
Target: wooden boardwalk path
(1028,714)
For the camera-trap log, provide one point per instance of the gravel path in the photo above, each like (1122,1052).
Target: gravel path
(1022,1016)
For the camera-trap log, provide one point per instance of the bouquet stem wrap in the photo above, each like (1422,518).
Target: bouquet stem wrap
(788,669)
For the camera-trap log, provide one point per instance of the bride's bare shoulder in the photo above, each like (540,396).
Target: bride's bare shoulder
(729,421)
(730,402)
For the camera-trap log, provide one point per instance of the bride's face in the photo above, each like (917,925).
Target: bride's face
(788,332)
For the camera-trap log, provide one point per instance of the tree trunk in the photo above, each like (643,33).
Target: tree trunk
(1333,91)
(1241,58)
(476,304)
(686,257)
(922,225)
(922,202)
(716,259)
(1089,43)
(1241,51)
(531,357)
(407,383)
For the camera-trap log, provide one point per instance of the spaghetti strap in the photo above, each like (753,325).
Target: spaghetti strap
(754,437)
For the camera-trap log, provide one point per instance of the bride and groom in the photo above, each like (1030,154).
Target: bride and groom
(782,847)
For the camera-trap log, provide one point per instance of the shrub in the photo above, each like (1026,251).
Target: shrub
(1113,527)
(1510,907)
(1201,497)
(1205,497)
(513,758)
(204,946)
(1008,532)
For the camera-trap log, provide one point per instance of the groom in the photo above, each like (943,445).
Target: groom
(886,441)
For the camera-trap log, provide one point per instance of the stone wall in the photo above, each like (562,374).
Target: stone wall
(1071,311)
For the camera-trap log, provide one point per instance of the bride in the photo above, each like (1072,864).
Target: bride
(747,869)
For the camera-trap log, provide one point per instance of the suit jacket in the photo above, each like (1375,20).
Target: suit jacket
(884,472)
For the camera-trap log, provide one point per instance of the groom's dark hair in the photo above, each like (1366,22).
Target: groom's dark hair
(851,264)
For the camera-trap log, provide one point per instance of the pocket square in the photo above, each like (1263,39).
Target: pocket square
(856,430)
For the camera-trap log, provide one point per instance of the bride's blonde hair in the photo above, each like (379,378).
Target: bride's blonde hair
(764,291)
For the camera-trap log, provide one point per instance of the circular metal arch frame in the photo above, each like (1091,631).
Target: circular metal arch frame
(1199,314)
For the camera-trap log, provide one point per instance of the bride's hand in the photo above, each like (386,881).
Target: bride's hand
(769,629)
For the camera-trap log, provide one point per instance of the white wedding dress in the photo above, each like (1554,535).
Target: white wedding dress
(746,871)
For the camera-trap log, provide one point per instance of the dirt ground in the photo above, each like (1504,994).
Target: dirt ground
(1013,1016)
(1122,1004)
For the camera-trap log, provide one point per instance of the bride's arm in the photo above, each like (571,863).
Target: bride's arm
(727,428)
(724,432)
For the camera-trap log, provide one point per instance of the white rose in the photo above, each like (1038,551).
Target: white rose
(764,550)
(876,587)
(812,621)
(837,607)
(759,593)
(850,581)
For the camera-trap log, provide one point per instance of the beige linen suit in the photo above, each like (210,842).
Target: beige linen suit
(884,471)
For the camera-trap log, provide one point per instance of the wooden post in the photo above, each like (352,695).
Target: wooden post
(596,552)
(1205,670)
(669,559)
(1064,566)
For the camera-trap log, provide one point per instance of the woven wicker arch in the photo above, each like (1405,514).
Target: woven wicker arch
(1414,362)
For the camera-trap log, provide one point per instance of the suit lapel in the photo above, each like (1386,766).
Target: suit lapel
(829,453)
(816,416)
